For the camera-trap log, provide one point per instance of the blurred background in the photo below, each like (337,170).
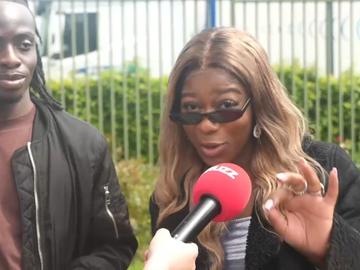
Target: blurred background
(108,61)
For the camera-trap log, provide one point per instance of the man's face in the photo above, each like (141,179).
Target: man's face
(18,57)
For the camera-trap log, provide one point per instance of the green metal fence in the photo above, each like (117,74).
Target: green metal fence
(108,60)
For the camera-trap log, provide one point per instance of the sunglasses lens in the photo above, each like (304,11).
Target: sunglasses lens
(225,116)
(194,118)
(186,118)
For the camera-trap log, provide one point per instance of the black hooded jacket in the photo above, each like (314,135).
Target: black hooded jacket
(73,213)
(265,251)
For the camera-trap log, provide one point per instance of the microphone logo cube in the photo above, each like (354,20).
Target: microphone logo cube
(223,169)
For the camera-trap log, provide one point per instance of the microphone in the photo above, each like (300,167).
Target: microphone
(221,193)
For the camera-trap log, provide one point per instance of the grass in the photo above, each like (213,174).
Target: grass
(137,180)
(136,264)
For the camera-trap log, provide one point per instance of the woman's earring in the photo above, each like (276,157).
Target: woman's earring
(257,131)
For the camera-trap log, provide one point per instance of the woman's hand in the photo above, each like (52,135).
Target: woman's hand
(306,219)
(167,253)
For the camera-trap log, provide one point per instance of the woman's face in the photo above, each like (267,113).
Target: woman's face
(215,89)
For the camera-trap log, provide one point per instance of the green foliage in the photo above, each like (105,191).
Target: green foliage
(120,104)
(136,265)
(130,103)
(137,182)
(320,95)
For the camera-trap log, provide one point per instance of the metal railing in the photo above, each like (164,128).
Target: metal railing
(314,46)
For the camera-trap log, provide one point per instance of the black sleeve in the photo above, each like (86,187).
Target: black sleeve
(154,214)
(111,238)
(344,250)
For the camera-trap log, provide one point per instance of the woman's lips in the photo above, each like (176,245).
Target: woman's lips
(212,150)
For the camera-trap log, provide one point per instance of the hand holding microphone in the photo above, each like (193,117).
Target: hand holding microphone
(167,253)
(221,193)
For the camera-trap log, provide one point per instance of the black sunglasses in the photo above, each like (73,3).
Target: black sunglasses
(218,116)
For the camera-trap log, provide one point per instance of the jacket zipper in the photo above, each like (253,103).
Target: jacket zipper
(36,195)
(107,207)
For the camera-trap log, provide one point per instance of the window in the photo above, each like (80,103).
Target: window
(76,22)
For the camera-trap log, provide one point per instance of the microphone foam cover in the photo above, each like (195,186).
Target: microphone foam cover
(229,184)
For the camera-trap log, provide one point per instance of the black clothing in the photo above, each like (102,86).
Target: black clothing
(73,213)
(266,251)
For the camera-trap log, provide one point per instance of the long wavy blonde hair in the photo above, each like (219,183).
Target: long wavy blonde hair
(279,147)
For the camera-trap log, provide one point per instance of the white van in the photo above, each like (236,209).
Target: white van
(109,34)
(70,32)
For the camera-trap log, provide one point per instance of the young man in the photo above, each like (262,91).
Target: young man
(60,202)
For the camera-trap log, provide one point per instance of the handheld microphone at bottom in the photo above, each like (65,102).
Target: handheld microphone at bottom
(221,193)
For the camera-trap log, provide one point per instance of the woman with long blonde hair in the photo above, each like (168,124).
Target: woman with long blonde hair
(225,104)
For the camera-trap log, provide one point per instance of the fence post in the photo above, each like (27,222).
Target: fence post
(211,13)
(329,38)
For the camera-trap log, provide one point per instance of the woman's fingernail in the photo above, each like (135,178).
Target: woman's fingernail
(269,204)
(281,176)
(335,171)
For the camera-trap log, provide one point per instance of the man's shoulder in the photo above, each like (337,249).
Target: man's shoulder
(77,130)
(62,117)
(74,121)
